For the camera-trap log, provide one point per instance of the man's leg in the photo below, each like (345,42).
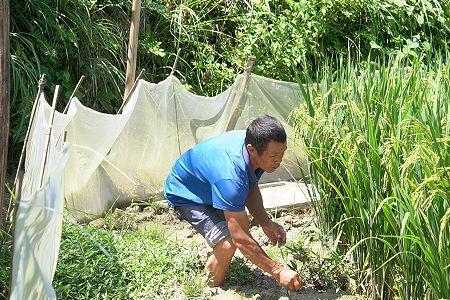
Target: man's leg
(220,260)
(211,224)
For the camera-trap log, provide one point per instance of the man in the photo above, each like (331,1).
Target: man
(211,184)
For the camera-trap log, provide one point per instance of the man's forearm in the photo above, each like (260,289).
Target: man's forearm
(254,253)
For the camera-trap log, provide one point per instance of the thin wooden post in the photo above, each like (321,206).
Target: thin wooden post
(239,98)
(74,92)
(132,46)
(16,187)
(49,134)
(174,67)
(125,101)
(33,113)
(4,103)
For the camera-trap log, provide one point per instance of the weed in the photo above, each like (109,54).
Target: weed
(240,272)
(159,208)
(318,263)
(128,264)
(5,259)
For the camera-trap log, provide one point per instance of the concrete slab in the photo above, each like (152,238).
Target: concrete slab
(285,194)
(280,195)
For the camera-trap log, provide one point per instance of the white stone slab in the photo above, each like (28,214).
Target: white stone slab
(285,194)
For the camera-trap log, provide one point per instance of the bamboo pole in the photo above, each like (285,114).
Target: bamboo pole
(4,103)
(132,47)
(240,99)
(174,67)
(33,113)
(49,134)
(125,101)
(74,92)
(16,187)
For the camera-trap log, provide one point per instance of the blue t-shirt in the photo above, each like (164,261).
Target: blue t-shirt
(215,172)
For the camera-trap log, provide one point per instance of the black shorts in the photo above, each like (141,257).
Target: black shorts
(206,220)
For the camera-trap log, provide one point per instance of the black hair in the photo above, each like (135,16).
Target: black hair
(262,130)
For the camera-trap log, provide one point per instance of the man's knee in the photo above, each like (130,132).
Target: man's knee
(225,247)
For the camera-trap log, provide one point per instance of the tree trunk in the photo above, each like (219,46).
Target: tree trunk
(4,103)
(132,46)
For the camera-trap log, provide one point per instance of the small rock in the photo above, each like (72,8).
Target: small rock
(133,208)
(149,209)
(99,223)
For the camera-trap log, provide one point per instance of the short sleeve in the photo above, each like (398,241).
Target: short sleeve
(229,195)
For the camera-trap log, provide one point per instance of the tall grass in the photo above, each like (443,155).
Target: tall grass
(378,140)
(65,39)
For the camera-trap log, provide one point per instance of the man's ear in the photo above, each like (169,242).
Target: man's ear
(251,149)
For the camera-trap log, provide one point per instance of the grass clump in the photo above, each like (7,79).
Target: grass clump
(96,263)
(239,272)
(5,269)
(89,265)
(319,263)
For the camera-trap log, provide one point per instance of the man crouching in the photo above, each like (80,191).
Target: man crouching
(211,184)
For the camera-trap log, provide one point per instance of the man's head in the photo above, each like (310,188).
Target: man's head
(266,143)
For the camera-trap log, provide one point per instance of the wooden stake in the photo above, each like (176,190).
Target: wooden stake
(49,134)
(132,47)
(125,101)
(33,113)
(73,93)
(4,103)
(239,98)
(174,67)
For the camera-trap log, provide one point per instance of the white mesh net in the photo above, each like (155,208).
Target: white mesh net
(112,159)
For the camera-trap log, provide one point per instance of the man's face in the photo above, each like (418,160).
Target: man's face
(271,158)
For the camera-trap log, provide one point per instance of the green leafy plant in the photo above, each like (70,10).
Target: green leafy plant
(319,263)
(73,38)
(5,260)
(97,263)
(378,147)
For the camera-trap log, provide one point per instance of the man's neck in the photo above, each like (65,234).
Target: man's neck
(253,162)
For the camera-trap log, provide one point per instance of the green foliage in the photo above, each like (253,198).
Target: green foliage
(119,220)
(239,272)
(101,264)
(89,265)
(68,39)
(378,142)
(287,35)
(158,208)
(5,260)
(65,39)
(319,263)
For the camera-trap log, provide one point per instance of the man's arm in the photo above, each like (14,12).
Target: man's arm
(238,226)
(255,206)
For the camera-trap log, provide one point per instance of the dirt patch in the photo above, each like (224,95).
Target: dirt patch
(244,281)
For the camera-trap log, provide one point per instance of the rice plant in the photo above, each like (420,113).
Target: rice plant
(378,141)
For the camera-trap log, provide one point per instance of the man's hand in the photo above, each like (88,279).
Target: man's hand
(288,279)
(275,233)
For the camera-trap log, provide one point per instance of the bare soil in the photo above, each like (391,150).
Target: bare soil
(254,284)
